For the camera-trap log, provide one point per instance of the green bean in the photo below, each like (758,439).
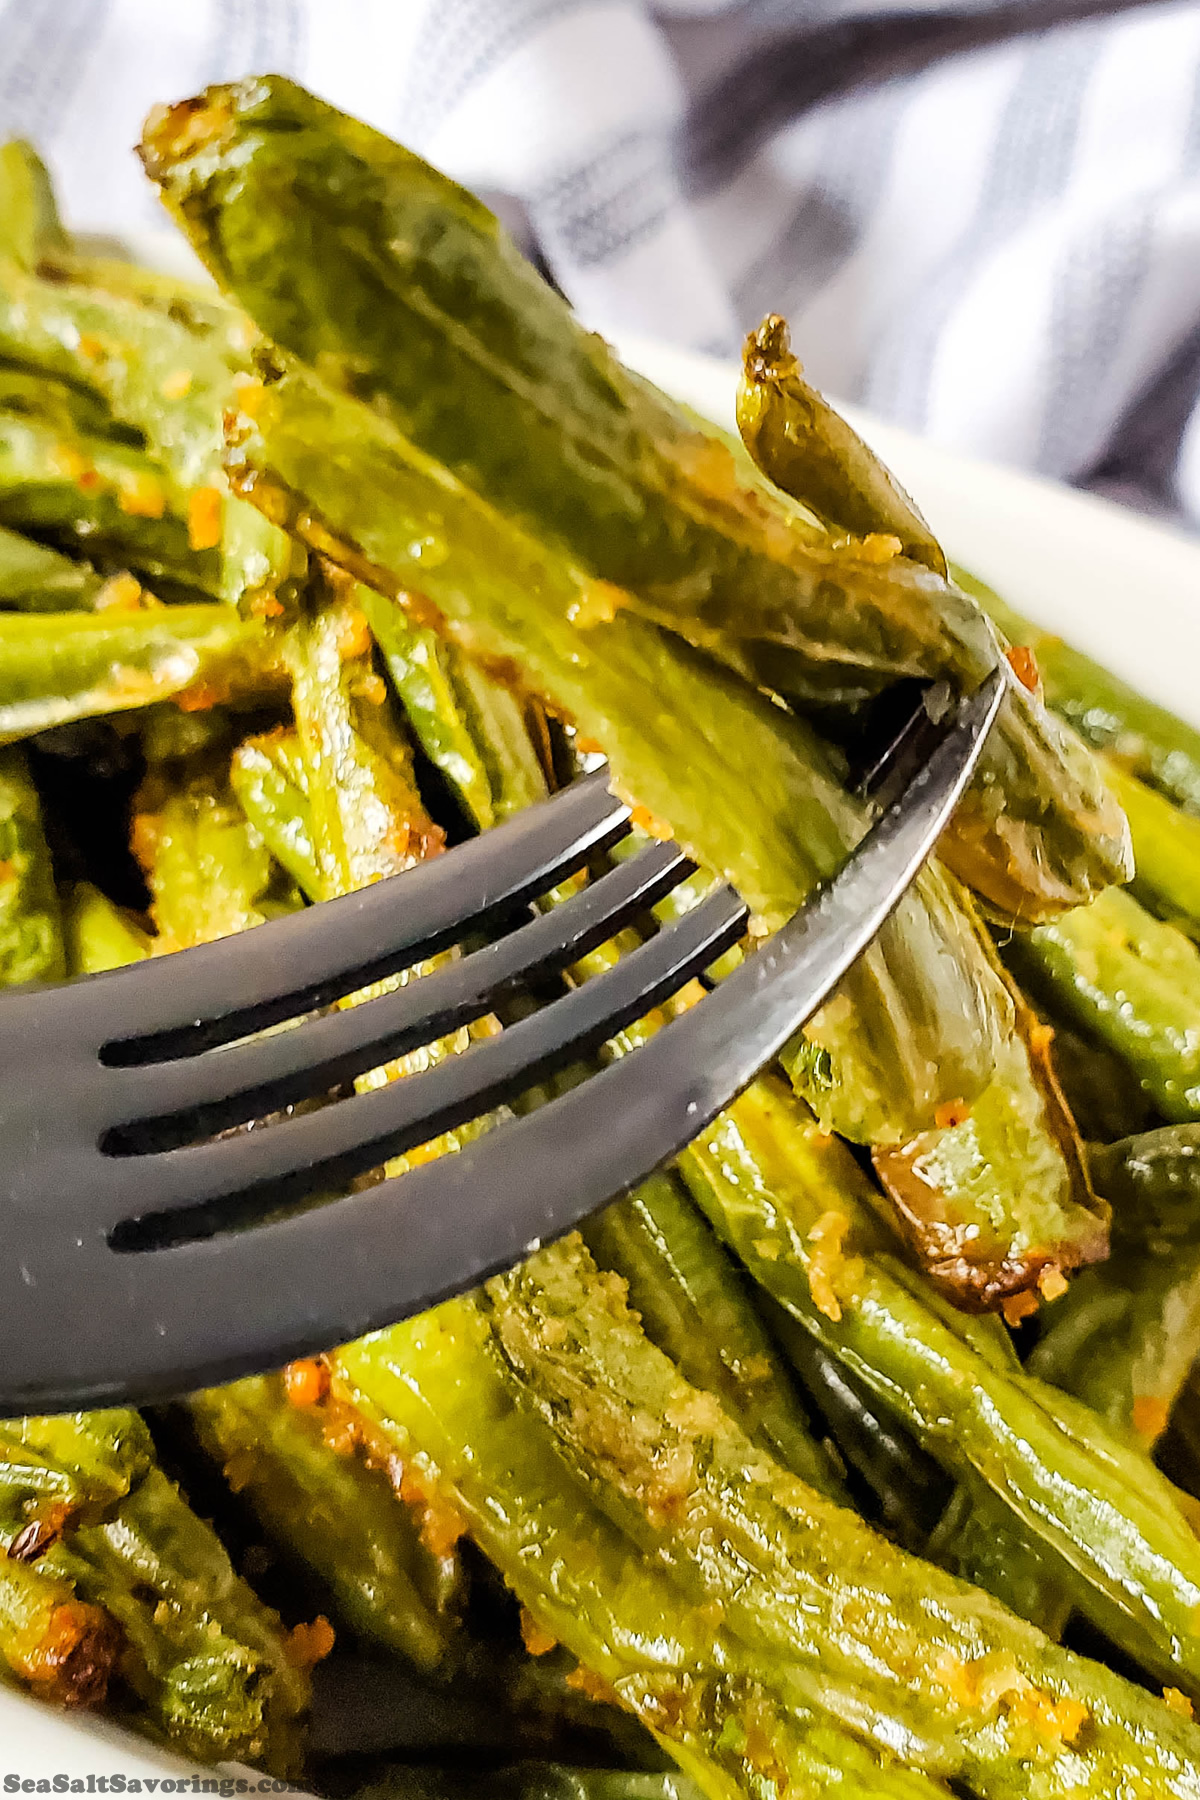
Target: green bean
(55,667)
(98,935)
(194,304)
(277,191)
(1039,849)
(977,1540)
(923,1021)
(553,430)
(74,413)
(30,227)
(908,1486)
(266,774)
(1125,1336)
(334,1512)
(1105,1097)
(809,451)
(98,497)
(1122,1340)
(1129,981)
(1166,849)
(693,1305)
(169,380)
(438,1390)
(894,1649)
(58,1646)
(31,941)
(1142,737)
(210,873)
(368,819)
(34,578)
(795,1208)
(471,727)
(206,1662)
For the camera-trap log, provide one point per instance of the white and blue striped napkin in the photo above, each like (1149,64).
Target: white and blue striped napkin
(981,216)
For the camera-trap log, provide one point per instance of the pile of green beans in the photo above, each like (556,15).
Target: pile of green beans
(791,1473)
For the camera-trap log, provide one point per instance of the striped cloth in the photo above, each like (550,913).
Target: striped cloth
(981,216)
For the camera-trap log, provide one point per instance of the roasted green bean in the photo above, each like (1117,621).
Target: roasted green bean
(34,578)
(55,667)
(750,792)
(1130,981)
(31,941)
(606,466)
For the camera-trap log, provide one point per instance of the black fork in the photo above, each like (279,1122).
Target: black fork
(145,1253)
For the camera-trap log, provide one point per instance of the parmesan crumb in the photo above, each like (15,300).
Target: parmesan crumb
(1178,1703)
(120,593)
(1052,1283)
(354,636)
(879,547)
(598,604)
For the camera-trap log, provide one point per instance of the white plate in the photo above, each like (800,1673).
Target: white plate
(1124,588)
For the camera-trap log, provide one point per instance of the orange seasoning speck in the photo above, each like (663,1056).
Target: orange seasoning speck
(1149,1416)
(584,1681)
(354,638)
(536,1640)
(1019,1307)
(90,346)
(204,519)
(8,870)
(202,696)
(1024,666)
(306,1381)
(651,824)
(951,1113)
(265,606)
(1178,1703)
(144,835)
(310,1644)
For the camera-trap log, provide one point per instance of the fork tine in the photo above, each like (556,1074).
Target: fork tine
(218,992)
(157,1105)
(318,1151)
